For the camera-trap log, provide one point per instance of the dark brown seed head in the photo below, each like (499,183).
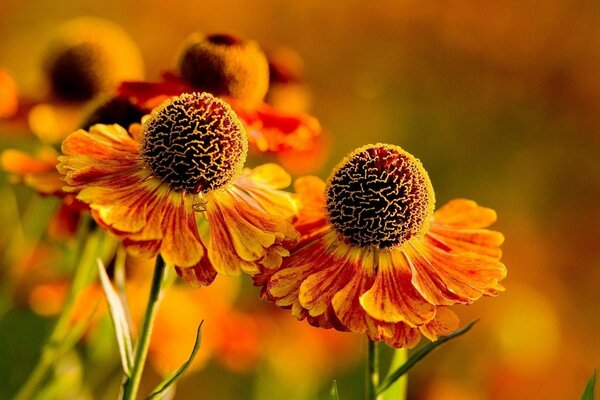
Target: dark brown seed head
(379,196)
(116,110)
(225,65)
(89,55)
(195,143)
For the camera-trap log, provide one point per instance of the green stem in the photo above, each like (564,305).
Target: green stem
(398,390)
(372,369)
(52,348)
(141,351)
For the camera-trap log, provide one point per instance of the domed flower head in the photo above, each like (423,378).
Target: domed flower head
(374,257)
(180,173)
(237,71)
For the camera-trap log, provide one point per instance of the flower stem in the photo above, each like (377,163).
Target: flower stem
(141,351)
(53,347)
(372,369)
(398,390)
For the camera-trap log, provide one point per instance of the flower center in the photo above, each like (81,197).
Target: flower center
(77,72)
(195,143)
(379,196)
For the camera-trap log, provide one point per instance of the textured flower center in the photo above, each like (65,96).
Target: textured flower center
(379,196)
(195,143)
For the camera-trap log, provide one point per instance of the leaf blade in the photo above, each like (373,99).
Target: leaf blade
(590,388)
(333,393)
(119,320)
(172,378)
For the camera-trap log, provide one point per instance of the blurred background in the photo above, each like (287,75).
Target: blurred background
(500,101)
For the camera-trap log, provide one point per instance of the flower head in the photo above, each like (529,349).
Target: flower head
(237,71)
(88,56)
(151,184)
(225,65)
(374,257)
(195,143)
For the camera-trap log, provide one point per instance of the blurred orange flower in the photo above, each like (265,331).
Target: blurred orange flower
(374,258)
(148,185)
(237,71)
(40,173)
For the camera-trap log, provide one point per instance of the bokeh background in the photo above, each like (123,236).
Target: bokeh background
(500,101)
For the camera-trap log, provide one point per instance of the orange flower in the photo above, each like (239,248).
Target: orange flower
(149,185)
(237,71)
(40,172)
(374,258)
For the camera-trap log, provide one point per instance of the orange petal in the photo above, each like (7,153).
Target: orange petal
(393,298)
(444,323)
(202,273)
(479,241)
(465,213)
(346,302)
(18,162)
(271,174)
(318,289)
(181,244)
(255,237)
(447,278)
(397,335)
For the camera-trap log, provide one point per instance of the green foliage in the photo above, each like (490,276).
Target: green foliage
(418,356)
(119,319)
(333,393)
(170,380)
(590,388)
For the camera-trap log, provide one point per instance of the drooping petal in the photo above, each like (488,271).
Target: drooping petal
(37,171)
(346,302)
(445,278)
(393,298)
(479,241)
(444,323)
(319,288)
(201,273)
(251,220)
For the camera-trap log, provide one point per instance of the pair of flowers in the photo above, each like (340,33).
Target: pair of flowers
(362,253)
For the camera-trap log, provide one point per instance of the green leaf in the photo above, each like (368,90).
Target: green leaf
(333,393)
(418,356)
(590,388)
(170,380)
(119,319)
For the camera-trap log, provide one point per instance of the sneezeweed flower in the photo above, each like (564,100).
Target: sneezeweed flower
(375,258)
(39,172)
(237,71)
(225,65)
(87,57)
(149,185)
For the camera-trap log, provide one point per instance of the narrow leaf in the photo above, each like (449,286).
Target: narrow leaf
(419,355)
(170,380)
(333,393)
(590,388)
(119,320)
